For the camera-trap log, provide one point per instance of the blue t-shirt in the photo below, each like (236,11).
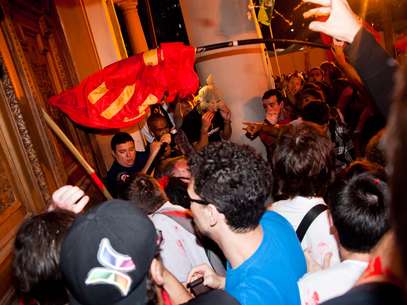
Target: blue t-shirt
(270,275)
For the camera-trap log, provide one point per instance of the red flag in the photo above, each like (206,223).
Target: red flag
(119,95)
(401,44)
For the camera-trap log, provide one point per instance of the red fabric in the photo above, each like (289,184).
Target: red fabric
(174,74)
(376,268)
(401,44)
(165,297)
(181,214)
(163,182)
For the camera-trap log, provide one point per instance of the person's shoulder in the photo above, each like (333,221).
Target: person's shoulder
(258,291)
(283,241)
(314,279)
(114,169)
(375,293)
(320,285)
(161,221)
(282,205)
(194,114)
(165,220)
(342,276)
(321,222)
(114,166)
(271,217)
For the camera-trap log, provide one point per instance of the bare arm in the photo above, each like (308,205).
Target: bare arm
(176,291)
(165,280)
(363,51)
(347,68)
(226,133)
(154,149)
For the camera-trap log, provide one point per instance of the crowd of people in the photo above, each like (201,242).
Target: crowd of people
(198,219)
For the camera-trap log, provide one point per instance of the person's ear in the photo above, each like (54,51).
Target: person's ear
(332,228)
(156,271)
(213,215)
(114,155)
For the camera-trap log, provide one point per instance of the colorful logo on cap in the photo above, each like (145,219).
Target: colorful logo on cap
(114,270)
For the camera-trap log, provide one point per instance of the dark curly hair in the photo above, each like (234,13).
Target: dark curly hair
(235,179)
(37,254)
(303,162)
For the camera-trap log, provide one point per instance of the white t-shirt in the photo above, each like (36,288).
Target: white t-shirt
(179,249)
(317,287)
(318,238)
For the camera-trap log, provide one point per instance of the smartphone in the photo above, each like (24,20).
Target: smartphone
(197,287)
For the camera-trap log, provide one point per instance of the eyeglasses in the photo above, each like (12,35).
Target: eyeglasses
(198,201)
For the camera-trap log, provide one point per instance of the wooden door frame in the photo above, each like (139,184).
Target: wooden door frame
(67,79)
(24,172)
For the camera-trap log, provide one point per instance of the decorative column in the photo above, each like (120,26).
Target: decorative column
(238,72)
(133,25)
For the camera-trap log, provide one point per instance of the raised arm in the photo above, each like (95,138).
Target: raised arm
(374,65)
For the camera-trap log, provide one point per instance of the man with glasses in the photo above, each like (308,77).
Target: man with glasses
(229,190)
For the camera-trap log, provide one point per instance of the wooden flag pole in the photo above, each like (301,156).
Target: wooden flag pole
(61,135)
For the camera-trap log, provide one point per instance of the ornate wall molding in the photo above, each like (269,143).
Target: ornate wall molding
(17,42)
(13,103)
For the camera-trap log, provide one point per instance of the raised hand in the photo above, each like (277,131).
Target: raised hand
(343,24)
(155,147)
(70,198)
(165,138)
(252,129)
(207,118)
(224,111)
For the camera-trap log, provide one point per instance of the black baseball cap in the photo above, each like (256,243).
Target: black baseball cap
(106,255)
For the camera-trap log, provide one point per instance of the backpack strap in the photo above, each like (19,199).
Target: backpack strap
(308,219)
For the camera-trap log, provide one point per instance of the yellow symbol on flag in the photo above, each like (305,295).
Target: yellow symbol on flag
(119,102)
(150,57)
(150,100)
(97,93)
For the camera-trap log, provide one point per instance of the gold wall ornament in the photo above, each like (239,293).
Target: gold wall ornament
(14,105)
